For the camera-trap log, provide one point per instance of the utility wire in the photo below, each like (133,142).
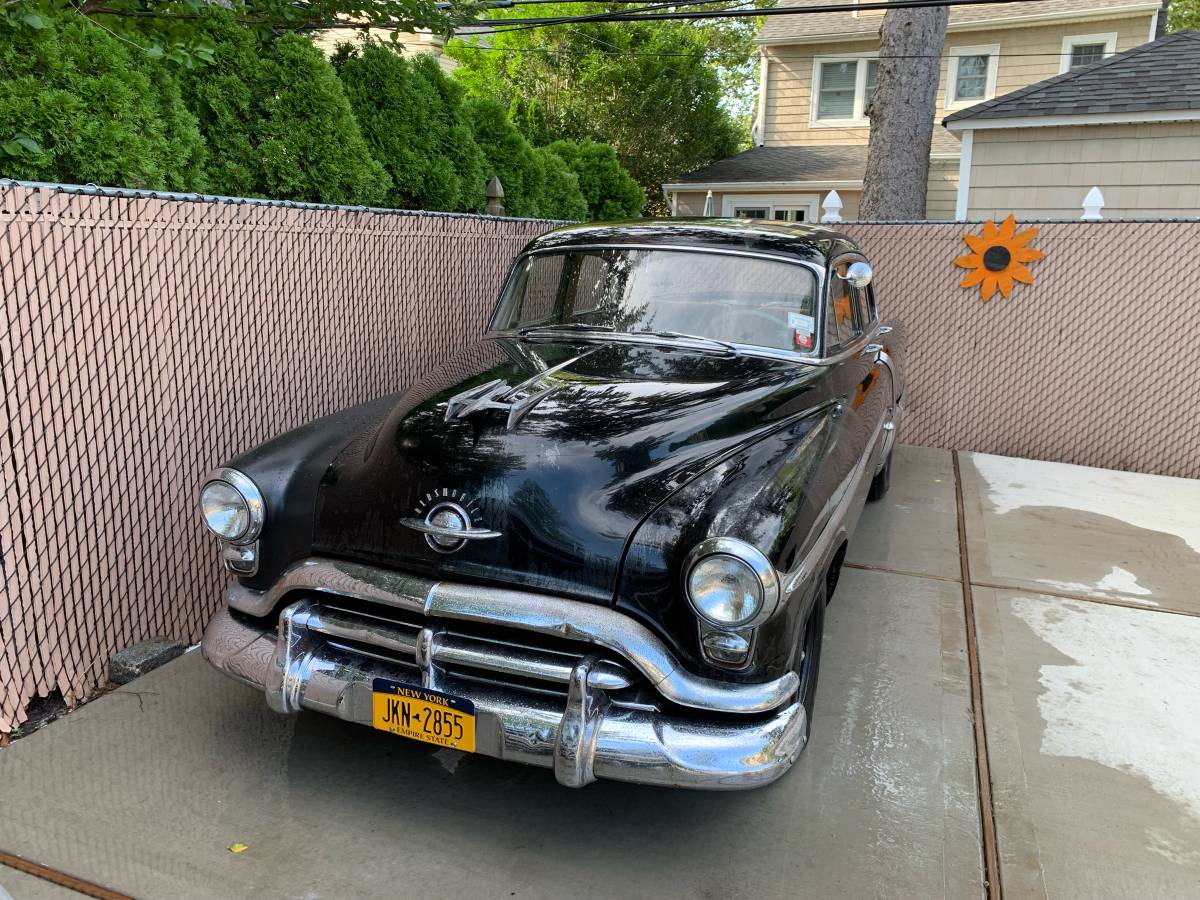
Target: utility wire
(648,13)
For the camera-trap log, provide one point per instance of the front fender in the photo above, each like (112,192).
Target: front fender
(288,470)
(769,494)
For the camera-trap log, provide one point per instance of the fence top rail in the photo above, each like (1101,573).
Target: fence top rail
(96,190)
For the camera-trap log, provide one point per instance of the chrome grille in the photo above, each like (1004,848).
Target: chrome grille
(523,662)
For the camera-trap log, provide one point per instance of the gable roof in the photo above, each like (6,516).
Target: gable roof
(820,163)
(817,26)
(1162,75)
(801,163)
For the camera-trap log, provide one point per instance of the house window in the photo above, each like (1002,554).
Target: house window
(1081,50)
(843,88)
(777,207)
(972,75)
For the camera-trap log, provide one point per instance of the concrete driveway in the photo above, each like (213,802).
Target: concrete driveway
(1075,649)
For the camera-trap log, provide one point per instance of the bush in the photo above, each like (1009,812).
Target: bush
(560,197)
(278,122)
(610,191)
(88,107)
(411,116)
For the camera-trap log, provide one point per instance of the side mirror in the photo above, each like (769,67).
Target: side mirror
(859,274)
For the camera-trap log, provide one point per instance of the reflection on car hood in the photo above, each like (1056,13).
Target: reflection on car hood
(562,447)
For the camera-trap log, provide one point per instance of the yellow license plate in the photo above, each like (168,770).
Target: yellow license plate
(423,715)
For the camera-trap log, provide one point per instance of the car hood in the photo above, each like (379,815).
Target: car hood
(561,447)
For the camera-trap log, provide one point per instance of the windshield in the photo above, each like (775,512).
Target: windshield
(725,297)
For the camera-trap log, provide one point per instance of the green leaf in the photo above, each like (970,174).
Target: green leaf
(28,143)
(155,52)
(33,20)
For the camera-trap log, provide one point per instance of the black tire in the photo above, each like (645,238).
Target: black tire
(810,665)
(882,480)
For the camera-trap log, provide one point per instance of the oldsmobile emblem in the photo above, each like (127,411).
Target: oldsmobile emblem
(446,518)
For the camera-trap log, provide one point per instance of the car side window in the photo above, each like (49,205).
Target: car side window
(863,305)
(843,320)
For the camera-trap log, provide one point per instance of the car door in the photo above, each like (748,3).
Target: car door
(862,382)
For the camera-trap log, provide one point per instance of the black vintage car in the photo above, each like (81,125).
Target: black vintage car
(598,539)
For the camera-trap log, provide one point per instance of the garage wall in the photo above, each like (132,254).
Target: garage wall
(1143,170)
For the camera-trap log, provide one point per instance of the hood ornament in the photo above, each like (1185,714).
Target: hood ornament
(515,402)
(444,517)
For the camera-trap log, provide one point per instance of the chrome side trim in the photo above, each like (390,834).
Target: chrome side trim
(555,616)
(466,534)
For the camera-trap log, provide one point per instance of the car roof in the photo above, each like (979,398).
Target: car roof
(811,243)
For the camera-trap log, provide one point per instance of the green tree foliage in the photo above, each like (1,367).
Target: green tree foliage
(277,121)
(412,118)
(78,105)
(1184,15)
(172,30)
(560,197)
(652,90)
(610,191)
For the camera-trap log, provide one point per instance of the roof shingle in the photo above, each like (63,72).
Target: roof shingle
(810,26)
(1161,75)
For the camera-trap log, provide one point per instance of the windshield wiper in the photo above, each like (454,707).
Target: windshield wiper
(565,326)
(680,336)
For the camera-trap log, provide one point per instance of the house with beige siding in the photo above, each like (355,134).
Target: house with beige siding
(1128,126)
(816,71)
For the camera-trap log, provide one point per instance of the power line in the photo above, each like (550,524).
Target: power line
(648,13)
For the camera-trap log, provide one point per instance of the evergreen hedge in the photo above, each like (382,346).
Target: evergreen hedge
(276,119)
(78,105)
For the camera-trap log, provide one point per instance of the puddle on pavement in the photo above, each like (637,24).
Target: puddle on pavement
(1106,719)
(1090,532)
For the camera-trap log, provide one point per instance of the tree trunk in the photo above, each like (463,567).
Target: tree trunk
(902,113)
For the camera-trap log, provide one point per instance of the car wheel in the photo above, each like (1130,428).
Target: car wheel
(882,480)
(810,665)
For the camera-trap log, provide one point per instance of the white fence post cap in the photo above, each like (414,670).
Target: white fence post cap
(832,206)
(1092,204)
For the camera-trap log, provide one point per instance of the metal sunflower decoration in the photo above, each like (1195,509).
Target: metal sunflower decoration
(998,258)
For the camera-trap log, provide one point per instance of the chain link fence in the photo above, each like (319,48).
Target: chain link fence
(147,338)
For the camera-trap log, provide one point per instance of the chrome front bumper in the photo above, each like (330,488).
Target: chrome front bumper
(734,737)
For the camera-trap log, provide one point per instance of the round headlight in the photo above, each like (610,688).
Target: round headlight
(731,584)
(725,590)
(232,507)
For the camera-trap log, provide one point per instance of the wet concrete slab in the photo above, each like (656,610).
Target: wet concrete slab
(915,527)
(145,789)
(1093,733)
(1091,533)
(16,885)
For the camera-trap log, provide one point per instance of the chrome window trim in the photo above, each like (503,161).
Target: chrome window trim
(557,616)
(818,271)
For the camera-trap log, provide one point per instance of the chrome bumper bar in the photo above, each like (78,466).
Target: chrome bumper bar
(582,739)
(586,740)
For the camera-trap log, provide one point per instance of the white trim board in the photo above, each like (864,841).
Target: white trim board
(1129,118)
(964,176)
